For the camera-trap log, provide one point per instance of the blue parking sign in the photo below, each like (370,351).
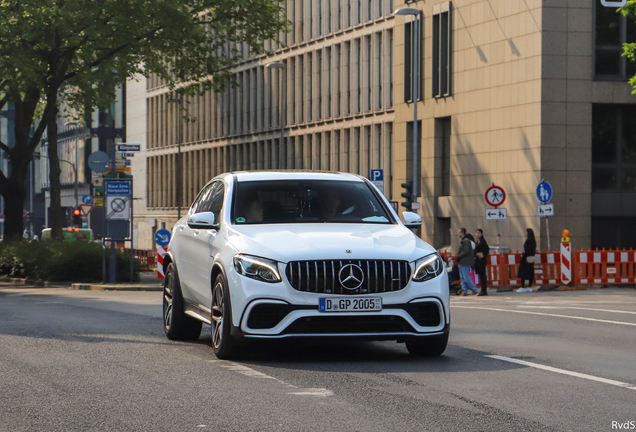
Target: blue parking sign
(544,192)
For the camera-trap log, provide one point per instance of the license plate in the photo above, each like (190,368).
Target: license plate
(348,304)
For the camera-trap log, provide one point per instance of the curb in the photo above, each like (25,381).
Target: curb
(121,287)
(25,282)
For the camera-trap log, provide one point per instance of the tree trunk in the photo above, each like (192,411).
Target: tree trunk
(14,197)
(56,216)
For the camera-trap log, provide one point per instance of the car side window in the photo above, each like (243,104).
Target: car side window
(200,199)
(213,201)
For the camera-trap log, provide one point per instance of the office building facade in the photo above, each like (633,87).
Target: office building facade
(510,92)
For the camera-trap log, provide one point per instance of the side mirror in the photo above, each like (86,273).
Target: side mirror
(203,220)
(411,220)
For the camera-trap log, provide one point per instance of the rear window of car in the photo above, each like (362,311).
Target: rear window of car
(302,201)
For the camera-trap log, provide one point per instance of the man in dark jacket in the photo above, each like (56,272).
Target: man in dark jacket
(465,260)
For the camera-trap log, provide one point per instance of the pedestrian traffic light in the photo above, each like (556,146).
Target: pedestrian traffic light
(77,217)
(408,195)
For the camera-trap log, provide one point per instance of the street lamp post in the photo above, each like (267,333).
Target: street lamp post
(75,124)
(283,105)
(416,23)
(179,103)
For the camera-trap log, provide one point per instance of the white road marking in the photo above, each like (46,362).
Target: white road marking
(546,314)
(247,371)
(564,372)
(314,392)
(579,308)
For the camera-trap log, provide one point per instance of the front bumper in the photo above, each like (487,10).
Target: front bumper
(276,319)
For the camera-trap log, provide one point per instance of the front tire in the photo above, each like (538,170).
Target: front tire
(431,346)
(176,324)
(223,344)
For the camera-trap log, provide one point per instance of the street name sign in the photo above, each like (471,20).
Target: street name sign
(545,210)
(118,188)
(128,147)
(496,214)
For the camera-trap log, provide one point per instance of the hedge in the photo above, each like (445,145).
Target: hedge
(56,261)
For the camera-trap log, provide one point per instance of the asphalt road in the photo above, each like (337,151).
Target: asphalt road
(98,361)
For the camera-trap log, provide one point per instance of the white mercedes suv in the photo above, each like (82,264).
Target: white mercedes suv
(289,254)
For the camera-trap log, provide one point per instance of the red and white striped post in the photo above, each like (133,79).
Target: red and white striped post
(161,253)
(566,258)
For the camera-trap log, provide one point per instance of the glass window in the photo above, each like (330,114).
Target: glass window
(213,202)
(628,179)
(442,54)
(307,201)
(604,134)
(628,136)
(604,179)
(612,30)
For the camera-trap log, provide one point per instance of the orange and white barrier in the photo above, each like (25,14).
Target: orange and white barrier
(605,267)
(161,253)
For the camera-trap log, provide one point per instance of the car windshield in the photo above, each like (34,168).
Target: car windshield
(302,201)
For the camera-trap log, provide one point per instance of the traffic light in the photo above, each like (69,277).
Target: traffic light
(77,217)
(408,194)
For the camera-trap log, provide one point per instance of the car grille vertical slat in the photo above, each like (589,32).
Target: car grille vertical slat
(376,276)
(323,276)
(333,277)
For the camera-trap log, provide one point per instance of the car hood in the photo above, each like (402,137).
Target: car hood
(291,242)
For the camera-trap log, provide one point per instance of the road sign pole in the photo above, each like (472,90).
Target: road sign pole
(547,230)
(132,235)
(113,260)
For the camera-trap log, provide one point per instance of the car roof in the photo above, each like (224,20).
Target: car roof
(294,175)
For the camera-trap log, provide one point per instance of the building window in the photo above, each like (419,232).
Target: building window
(442,51)
(613,148)
(390,68)
(380,58)
(612,31)
(443,147)
(408,59)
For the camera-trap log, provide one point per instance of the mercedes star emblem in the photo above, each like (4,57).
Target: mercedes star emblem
(351,277)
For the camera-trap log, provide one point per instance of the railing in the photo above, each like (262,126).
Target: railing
(147,258)
(611,267)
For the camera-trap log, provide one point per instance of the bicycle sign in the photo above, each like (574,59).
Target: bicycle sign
(495,195)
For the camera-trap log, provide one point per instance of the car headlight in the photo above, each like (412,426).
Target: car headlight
(257,268)
(428,267)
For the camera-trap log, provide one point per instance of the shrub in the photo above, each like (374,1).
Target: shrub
(61,261)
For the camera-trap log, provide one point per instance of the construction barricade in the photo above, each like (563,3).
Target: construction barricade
(547,268)
(611,267)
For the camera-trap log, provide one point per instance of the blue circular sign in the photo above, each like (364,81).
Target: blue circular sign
(544,192)
(162,237)
(87,199)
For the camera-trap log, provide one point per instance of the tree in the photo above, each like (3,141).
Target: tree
(629,49)
(65,50)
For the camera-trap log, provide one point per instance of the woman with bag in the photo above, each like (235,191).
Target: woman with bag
(526,267)
(481,253)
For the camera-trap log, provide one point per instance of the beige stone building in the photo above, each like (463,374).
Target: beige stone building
(511,92)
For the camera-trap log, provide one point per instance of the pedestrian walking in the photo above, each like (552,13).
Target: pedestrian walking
(481,254)
(526,267)
(465,260)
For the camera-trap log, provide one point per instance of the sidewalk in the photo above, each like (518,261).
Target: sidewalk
(149,282)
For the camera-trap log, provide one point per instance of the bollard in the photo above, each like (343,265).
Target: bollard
(566,258)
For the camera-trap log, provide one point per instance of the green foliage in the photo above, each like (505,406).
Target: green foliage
(61,261)
(85,47)
(629,49)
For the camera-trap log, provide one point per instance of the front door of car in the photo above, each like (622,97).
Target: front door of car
(186,259)
(203,244)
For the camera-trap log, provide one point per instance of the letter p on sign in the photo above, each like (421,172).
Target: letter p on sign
(613,3)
